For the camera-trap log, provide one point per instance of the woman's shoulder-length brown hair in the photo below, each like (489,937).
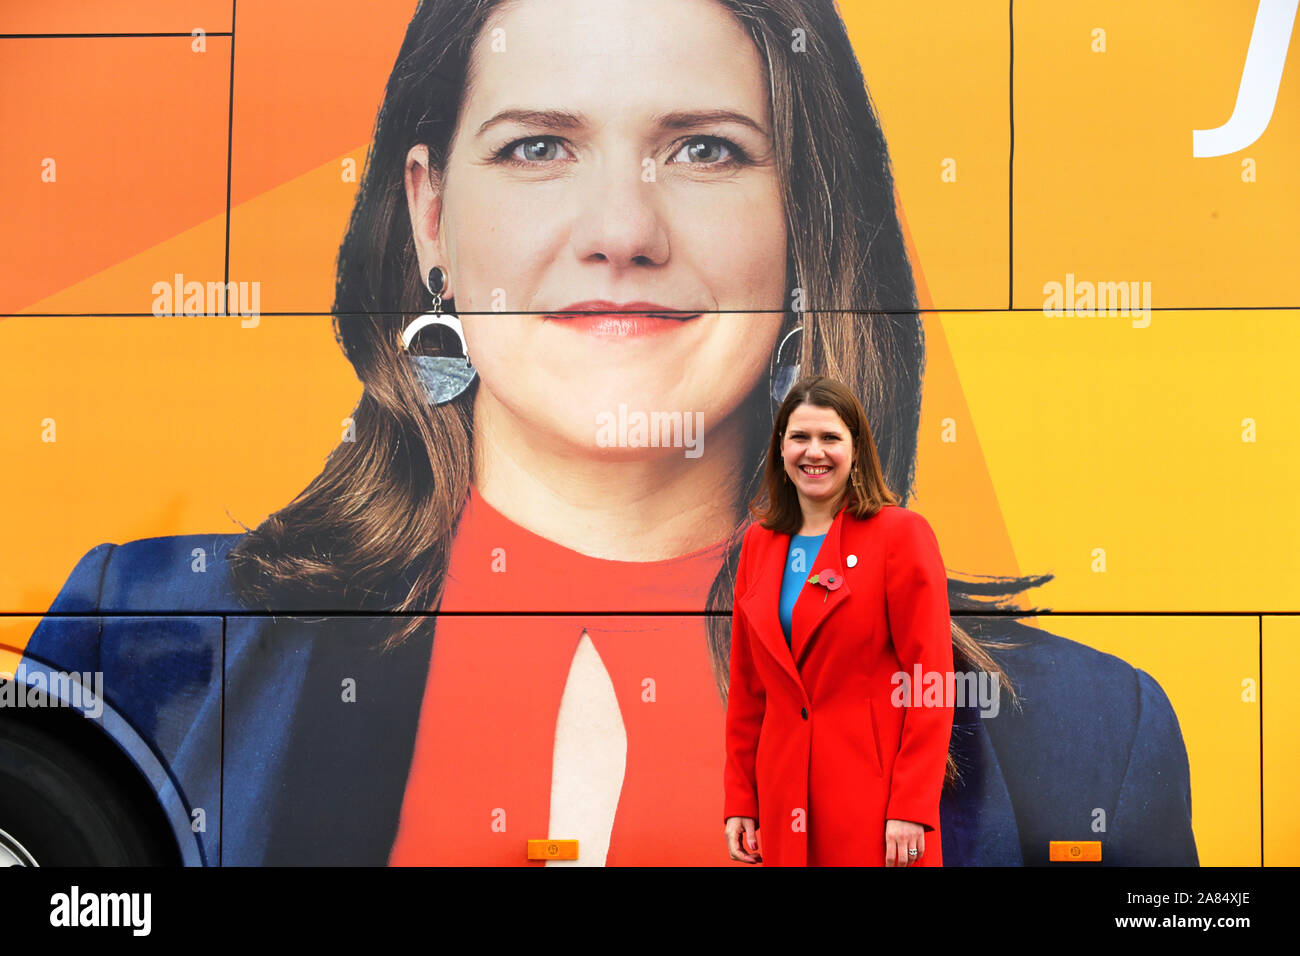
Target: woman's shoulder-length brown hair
(776,507)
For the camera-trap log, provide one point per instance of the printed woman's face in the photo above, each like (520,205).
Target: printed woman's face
(610,155)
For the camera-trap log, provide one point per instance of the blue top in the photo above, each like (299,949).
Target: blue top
(799,559)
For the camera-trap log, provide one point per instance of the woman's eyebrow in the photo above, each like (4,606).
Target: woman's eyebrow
(555,119)
(568,120)
(689,119)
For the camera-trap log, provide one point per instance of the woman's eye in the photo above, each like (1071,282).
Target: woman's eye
(704,150)
(700,151)
(536,149)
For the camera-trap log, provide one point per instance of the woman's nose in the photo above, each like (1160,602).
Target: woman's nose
(620,216)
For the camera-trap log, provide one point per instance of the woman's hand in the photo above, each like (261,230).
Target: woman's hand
(901,836)
(735,827)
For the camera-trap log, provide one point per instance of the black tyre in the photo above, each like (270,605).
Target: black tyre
(60,808)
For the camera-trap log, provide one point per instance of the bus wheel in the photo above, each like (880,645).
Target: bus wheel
(58,808)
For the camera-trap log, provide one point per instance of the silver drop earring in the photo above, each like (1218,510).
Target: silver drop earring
(442,377)
(783,376)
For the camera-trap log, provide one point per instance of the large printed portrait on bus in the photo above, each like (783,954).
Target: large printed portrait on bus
(420,543)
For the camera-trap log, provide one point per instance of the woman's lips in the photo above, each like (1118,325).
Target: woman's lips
(607,319)
(822,475)
(621,324)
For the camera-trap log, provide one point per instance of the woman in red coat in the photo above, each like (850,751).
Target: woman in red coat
(835,754)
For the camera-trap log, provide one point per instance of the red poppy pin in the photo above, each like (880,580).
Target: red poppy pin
(828,578)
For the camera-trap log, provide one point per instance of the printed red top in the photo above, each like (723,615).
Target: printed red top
(481,776)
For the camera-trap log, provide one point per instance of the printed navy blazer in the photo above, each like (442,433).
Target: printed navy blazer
(264,767)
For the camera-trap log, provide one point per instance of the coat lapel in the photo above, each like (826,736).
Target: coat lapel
(815,604)
(343,778)
(759,604)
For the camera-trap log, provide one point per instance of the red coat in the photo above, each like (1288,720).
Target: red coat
(817,751)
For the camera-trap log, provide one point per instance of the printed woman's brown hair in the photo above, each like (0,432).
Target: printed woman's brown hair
(374,528)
